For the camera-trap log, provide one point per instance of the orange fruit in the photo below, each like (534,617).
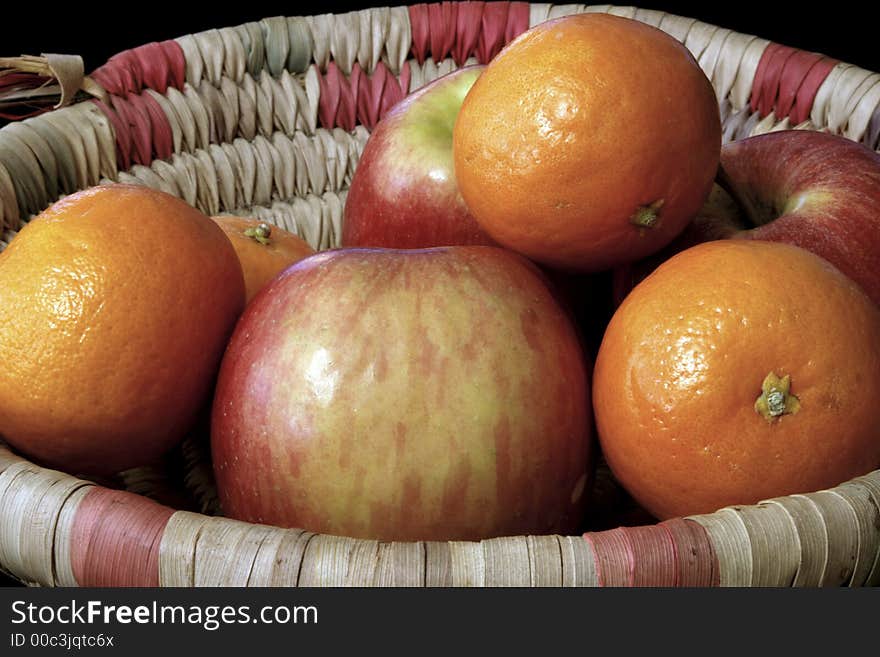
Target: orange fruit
(263,250)
(738,372)
(115,307)
(588,141)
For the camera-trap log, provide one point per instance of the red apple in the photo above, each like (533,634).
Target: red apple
(430,394)
(403,193)
(812,189)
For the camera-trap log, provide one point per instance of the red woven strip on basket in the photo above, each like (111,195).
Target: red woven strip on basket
(517,20)
(420,31)
(442,20)
(465,29)
(359,99)
(346,113)
(767,77)
(115,76)
(653,553)
(635,556)
(696,561)
(354,83)
(162,65)
(809,87)
(156,65)
(122,132)
(613,557)
(369,95)
(328,102)
(493,34)
(760,75)
(337,105)
(142,130)
(394,90)
(115,539)
(468,30)
(787,80)
(792,76)
(139,128)
(161,135)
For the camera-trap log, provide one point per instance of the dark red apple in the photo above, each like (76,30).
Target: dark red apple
(812,189)
(403,193)
(430,394)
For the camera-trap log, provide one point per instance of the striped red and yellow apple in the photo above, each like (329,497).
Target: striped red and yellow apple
(432,394)
(815,190)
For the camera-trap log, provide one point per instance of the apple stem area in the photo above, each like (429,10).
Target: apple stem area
(755,213)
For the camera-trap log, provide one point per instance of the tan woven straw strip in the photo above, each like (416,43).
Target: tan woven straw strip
(867,515)
(201,551)
(9,216)
(225,552)
(32,499)
(266,558)
(863,108)
(730,539)
(64,536)
(774,544)
(401,565)
(827,538)
(545,562)
(812,539)
(73,146)
(847,88)
(25,172)
(327,560)
(287,564)
(842,529)
(290,44)
(297,183)
(578,562)
(871,483)
(243,173)
(468,564)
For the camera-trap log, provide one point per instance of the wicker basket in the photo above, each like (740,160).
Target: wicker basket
(268,119)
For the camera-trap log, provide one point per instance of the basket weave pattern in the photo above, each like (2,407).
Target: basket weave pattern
(268,119)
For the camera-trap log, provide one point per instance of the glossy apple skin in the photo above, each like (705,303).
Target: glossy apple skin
(811,189)
(403,193)
(431,394)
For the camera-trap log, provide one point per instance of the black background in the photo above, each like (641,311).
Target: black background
(97,29)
